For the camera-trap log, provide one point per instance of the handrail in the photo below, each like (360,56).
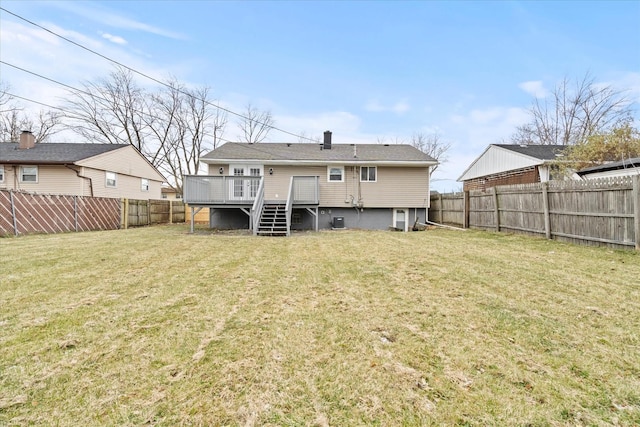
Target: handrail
(288,209)
(256,208)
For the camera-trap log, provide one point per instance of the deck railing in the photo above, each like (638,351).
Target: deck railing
(256,209)
(212,189)
(305,190)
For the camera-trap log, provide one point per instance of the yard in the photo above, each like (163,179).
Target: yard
(155,326)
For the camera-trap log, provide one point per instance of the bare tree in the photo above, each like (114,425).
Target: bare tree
(433,145)
(185,126)
(303,138)
(255,124)
(173,127)
(571,115)
(14,119)
(109,110)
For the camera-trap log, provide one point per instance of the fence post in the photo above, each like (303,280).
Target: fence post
(149,212)
(126,214)
(170,212)
(545,203)
(13,213)
(636,210)
(441,208)
(465,210)
(496,210)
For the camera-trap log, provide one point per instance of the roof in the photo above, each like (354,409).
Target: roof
(623,164)
(541,152)
(53,153)
(315,153)
(499,158)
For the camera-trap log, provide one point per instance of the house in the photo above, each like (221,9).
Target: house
(170,193)
(98,170)
(508,164)
(627,167)
(273,188)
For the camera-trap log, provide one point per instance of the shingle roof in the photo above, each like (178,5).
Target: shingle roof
(315,152)
(542,152)
(624,164)
(52,153)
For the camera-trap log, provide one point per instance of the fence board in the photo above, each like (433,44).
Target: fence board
(28,213)
(600,212)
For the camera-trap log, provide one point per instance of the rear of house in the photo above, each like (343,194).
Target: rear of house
(273,188)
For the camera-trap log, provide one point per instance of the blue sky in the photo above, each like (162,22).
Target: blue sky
(364,70)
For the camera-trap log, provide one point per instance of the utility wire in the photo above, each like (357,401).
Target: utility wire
(91,95)
(150,77)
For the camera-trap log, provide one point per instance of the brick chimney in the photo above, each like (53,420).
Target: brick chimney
(327,140)
(27,140)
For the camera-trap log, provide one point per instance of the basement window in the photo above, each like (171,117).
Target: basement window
(28,174)
(368,174)
(335,174)
(111,179)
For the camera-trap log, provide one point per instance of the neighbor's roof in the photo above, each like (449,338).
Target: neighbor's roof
(624,164)
(52,153)
(499,158)
(542,152)
(315,153)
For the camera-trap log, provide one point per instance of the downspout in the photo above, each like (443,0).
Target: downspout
(84,177)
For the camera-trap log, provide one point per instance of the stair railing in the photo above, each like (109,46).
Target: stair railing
(256,209)
(288,209)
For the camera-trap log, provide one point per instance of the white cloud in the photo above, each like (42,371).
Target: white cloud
(375,106)
(114,39)
(534,88)
(106,17)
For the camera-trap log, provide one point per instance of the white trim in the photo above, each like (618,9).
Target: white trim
(368,167)
(106,179)
(406,217)
(329,173)
(22,173)
(406,163)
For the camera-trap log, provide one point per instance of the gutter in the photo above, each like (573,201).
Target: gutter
(82,176)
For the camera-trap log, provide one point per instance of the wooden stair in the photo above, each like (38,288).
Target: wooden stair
(273,220)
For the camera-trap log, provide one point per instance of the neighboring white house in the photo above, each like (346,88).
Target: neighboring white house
(627,167)
(507,164)
(98,170)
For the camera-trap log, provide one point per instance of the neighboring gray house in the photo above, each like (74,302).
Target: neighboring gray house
(273,188)
(508,164)
(627,167)
(98,170)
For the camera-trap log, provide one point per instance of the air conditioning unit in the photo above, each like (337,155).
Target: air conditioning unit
(338,222)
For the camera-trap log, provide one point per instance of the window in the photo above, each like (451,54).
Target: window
(28,174)
(1,173)
(164,195)
(111,179)
(368,173)
(336,173)
(178,196)
(144,184)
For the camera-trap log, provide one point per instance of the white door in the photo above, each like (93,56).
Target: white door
(244,189)
(401,219)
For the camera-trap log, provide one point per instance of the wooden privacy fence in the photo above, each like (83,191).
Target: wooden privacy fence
(596,212)
(136,213)
(28,213)
(25,213)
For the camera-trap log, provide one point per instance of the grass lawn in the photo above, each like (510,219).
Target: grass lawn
(155,326)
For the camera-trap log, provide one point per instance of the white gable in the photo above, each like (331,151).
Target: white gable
(497,160)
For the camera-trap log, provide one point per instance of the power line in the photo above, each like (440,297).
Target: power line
(150,77)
